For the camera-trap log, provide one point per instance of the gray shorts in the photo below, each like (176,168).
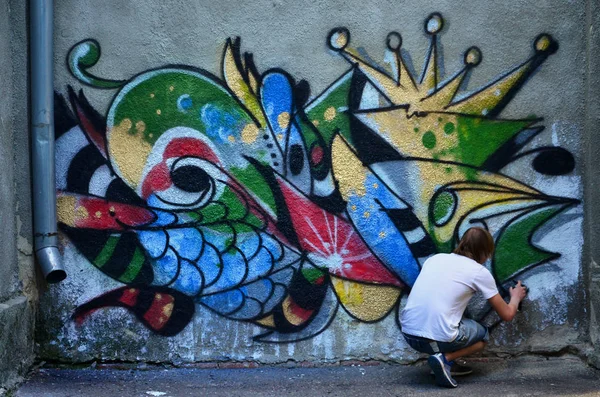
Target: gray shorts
(469,333)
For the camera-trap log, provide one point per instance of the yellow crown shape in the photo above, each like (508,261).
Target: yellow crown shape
(428,93)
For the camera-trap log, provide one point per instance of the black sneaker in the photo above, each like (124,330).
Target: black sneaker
(441,370)
(459,368)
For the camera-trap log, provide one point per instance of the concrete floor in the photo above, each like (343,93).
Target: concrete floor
(525,376)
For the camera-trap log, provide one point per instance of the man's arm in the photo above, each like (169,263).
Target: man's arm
(507,311)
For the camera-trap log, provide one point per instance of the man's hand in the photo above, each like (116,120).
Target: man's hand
(508,311)
(518,292)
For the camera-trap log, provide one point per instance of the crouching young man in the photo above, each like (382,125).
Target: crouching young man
(432,320)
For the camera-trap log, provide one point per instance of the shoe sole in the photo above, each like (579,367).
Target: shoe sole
(441,377)
(460,373)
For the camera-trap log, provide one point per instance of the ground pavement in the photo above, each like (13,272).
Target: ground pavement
(524,376)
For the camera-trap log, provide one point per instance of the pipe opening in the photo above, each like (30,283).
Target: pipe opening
(56,276)
(49,260)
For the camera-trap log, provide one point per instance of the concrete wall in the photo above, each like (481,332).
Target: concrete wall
(219,210)
(18,291)
(593,175)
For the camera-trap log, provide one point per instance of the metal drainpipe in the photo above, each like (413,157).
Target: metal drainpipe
(42,138)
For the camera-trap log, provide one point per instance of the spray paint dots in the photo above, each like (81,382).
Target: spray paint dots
(545,43)
(429,140)
(184,103)
(449,128)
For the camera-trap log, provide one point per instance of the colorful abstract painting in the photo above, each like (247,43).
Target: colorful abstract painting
(245,196)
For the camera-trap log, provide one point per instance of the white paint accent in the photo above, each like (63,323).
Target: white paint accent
(389,58)
(567,269)
(555,134)
(414,235)
(325,187)
(370,97)
(67,146)
(156,156)
(100,180)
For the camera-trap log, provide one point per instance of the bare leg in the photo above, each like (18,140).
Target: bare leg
(474,348)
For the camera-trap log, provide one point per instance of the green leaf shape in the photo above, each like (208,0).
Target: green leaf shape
(255,183)
(443,208)
(479,138)
(154,100)
(335,97)
(514,251)
(312,273)
(228,210)
(83,56)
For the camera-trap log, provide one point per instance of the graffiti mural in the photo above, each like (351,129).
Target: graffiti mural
(245,196)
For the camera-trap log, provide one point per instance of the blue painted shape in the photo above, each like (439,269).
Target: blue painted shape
(260,289)
(186,241)
(279,293)
(378,230)
(189,279)
(165,268)
(225,302)
(184,103)
(164,218)
(273,246)
(234,270)
(276,98)
(219,240)
(249,244)
(249,309)
(153,241)
(220,124)
(283,276)
(209,264)
(260,265)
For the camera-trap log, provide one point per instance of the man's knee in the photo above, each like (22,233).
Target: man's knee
(480,345)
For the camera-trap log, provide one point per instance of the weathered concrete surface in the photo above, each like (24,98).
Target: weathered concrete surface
(16,339)
(592,231)
(8,253)
(514,377)
(18,291)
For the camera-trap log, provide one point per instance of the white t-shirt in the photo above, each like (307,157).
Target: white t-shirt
(441,293)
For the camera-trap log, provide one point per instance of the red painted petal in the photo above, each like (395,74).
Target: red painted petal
(159,311)
(89,212)
(180,147)
(163,310)
(157,180)
(294,313)
(86,114)
(332,241)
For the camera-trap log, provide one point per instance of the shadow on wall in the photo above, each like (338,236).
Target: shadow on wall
(240,195)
